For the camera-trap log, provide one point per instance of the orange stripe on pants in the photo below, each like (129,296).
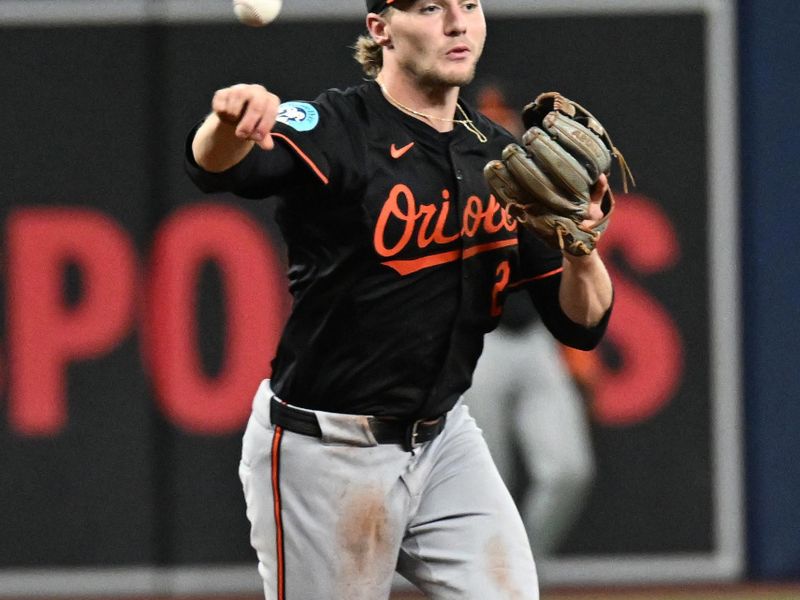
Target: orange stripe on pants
(276,498)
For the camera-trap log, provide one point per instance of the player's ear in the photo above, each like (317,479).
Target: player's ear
(379,30)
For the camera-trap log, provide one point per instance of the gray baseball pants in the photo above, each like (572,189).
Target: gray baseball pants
(335,517)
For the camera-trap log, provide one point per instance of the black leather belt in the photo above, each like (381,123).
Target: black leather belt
(386,430)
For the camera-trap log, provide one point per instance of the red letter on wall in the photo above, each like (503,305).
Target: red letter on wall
(254,291)
(45,332)
(644,334)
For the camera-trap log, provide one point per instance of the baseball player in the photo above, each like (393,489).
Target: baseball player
(360,459)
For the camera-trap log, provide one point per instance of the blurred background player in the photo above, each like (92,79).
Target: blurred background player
(534,419)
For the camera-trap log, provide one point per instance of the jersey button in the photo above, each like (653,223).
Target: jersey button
(459,174)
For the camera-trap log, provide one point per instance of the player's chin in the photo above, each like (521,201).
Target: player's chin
(457,76)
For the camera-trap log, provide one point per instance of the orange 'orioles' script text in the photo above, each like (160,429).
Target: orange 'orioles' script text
(424,225)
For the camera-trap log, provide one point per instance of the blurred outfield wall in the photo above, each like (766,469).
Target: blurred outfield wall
(123,399)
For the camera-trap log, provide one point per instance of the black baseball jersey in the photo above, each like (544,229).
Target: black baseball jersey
(399,258)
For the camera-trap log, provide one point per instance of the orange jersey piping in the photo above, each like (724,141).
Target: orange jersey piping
(537,277)
(303,155)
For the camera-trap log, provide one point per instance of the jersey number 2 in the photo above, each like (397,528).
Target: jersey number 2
(503,273)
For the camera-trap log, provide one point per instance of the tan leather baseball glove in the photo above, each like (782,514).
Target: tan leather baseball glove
(547,184)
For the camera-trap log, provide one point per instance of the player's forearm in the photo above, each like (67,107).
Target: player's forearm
(586,291)
(216,147)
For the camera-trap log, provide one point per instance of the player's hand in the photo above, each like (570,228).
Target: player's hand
(251,109)
(595,211)
(596,200)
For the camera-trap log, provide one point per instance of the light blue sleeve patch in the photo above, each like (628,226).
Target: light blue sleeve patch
(300,116)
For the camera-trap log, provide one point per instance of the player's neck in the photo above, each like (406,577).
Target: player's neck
(433,105)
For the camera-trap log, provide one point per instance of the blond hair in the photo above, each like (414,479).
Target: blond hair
(369,54)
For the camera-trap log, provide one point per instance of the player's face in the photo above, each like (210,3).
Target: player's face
(438,42)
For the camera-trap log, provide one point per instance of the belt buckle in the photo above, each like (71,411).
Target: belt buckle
(410,443)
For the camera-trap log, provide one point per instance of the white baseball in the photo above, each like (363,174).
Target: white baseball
(257,13)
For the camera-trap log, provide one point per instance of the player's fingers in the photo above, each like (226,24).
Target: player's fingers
(594,212)
(268,116)
(267,143)
(266,107)
(231,103)
(251,108)
(249,121)
(227,105)
(599,189)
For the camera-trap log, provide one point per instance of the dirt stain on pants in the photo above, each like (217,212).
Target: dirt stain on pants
(499,568)
(368,553)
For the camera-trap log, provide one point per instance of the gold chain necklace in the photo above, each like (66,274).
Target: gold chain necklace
(466,121)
